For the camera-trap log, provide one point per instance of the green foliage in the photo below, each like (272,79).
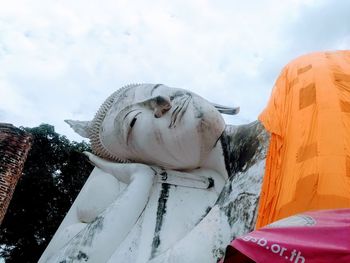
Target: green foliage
(53,175)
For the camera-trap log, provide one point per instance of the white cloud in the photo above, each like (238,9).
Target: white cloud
(61,59)
(321,27)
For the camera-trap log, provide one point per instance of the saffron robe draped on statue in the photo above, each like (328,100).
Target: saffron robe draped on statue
(308,116)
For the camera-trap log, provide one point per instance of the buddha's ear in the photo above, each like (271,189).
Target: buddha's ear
(80,127)
(226,110)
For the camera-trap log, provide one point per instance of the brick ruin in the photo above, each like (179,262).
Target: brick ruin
(14,147)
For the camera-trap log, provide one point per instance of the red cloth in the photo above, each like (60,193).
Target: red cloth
(312,237)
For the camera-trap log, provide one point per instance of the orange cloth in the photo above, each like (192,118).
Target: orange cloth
(308,116)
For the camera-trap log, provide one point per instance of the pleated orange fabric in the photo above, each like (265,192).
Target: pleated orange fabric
(308,116)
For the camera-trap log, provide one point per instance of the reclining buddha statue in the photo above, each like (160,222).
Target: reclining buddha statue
(172,182)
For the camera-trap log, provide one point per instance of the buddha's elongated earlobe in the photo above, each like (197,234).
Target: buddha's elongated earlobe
(80,127)
(226,110)
(91,129)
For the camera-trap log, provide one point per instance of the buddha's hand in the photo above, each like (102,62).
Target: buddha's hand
(124,172)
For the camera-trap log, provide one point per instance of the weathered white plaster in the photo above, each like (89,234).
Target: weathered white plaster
(196,189)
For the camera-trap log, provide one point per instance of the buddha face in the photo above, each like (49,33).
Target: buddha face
(156,124)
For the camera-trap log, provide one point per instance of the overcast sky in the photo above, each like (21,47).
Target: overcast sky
(61,59)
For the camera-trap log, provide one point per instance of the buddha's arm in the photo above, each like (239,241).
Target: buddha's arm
(97,240)
(123,172)
(99,191)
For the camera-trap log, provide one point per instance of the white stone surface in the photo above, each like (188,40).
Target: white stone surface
(196,189)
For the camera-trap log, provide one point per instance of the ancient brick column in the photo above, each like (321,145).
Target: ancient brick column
(14,147)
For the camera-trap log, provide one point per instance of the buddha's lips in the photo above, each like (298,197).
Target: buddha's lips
(179,111)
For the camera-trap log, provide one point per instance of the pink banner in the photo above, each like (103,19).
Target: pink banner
(311,237)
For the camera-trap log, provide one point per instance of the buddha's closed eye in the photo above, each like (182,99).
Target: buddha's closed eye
(132,123)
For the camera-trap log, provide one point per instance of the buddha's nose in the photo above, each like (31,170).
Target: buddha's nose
(161,104)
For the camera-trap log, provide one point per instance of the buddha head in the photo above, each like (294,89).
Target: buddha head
(155,124)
